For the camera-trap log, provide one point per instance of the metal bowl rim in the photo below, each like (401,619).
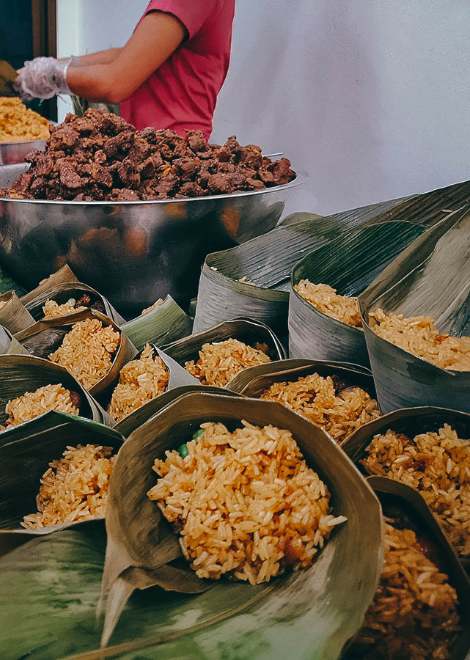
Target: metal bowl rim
(299,180)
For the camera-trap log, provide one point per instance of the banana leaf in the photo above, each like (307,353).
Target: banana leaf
(431,277)
(411,422)
(44,337)
(164,324)
(267,261)
(35,446)
(25,373)
(405,506)
(63,292)
(13,314)
(61,276)
(348,264)
(8,343)
(130,423)
(304,614)
(245,330)
(178,377)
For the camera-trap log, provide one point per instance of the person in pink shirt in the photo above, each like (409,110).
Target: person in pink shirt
(168,75)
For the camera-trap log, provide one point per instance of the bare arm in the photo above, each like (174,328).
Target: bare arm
(101,57)
(155,39)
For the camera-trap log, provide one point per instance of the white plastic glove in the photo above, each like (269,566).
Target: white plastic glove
(43,78)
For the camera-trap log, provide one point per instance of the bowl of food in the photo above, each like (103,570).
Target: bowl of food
(21,131)
(135,212)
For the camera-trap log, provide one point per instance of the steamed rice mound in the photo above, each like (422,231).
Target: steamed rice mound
(339,411)
(438,466)
(32,404)
(245,503)
(219,362)
(52,310)
(74,488)
(414,611)
(87,351)
(324,298)
(420,336)
(140,381)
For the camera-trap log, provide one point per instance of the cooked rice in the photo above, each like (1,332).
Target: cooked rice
(140,381)
(436,464)
(158,303)
(245,503)
(74,487)
(52,310)
(87,351)
(339,411)
(419,336)
(324,298)
(221,361)
(414,612)
(32,404)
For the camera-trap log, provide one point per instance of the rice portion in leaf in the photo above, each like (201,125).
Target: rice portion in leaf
(437,464)
(219,362)
(245,502)
(420,336)
(74,488)
(140,381)
(32,404)
(87,351)
(324,298)
(52,309)
(319,399)
(414,613)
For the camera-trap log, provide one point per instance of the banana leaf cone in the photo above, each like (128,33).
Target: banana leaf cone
(309,613)
(44,337)
(255,381)
(411,422)
(348,264)
(252,280)
(161,325)
(178,377)
(13,314)
(155,406)
(24,373)
(62,276)
(25,459)
(82,294)
(245,330)
(405,507)
(429,278)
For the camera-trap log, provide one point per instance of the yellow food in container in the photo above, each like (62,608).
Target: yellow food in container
(18,123)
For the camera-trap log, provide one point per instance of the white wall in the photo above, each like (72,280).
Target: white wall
(371,97)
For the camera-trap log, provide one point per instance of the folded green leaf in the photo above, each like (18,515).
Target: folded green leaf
(348,264)
(24,373)
(61,293)
(26,457)
(305,610)
(407,508)
(245,330)
(44,337)
(429,278)
(164,324)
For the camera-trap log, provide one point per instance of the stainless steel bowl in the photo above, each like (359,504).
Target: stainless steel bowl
(15,152)
(132,252)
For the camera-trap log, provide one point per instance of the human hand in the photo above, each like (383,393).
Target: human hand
(43,78)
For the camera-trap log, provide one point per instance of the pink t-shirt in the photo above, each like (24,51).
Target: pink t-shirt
(181,94)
